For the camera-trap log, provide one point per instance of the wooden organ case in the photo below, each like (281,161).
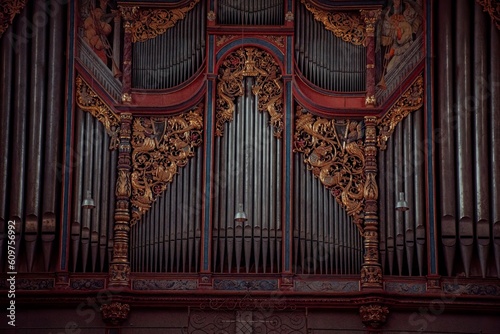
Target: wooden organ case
(262,166)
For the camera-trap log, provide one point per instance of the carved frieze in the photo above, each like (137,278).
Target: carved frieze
(334,152)
(160,146)
(268,86)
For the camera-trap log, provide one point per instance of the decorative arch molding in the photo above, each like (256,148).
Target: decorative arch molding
(160,146)
(334,151)
(250,62)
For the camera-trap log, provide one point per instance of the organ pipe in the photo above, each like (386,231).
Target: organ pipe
(257,12)
(495,138)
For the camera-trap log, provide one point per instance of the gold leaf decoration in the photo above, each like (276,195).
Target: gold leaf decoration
(268,86)
(8,11)
(493,8)
(149,23)
(160,146)
(348,27)
(411,100)
(88,100)
(334,152)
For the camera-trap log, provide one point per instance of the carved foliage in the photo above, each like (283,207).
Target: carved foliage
(88,100)
(115,313)
(411,100)
(334,151)
(149,23)
(268,86)
(349,28)
(8,10)
(374,315)
(493,8)
(160,145)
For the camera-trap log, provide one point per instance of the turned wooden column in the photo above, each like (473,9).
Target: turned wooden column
(370,17)
(371,270)
(129,15)
(119,270)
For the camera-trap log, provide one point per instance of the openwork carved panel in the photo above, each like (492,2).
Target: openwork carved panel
(160,146)
(8,10)
(268,86)
(493,8)
(149,23)
(334,152)
(349,28)
(88,100)
(411,100)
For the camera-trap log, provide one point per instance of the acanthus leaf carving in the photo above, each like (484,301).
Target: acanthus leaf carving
(348,27)
(268,86)
(160,146)
(334,152)
(149,23)
(374,315)
(88,100)
(493,8)
(411,100)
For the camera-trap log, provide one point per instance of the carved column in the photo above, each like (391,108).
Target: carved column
(370,17)
(119,270)
(129,15)
(371,271)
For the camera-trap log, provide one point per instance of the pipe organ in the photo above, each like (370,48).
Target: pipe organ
(252,163)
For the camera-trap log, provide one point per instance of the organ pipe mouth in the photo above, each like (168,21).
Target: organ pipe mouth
(240,216)
(402,204)
(88,202)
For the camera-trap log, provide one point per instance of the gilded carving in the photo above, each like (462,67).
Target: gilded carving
(123,184)
(278,40)
(411,100)
(374,315)
(222,39)
(8,11)
(149,23)
(115,313)
(88,100)
(268,86)
(371,275)
(349,28)
(334,152)
(493,8)
(119,273)
(160,146)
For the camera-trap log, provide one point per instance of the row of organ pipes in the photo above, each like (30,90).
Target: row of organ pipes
(256,12)
(158,65)
(248,167)
(94,177)
(167,237)
(326,60)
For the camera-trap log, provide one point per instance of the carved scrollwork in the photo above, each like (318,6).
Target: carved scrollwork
(160,146)
(8,10)
(88,100)
(348,27)
(411,100)
(493,8)
(149,23)
(334,152)
(268,86)
(374,315)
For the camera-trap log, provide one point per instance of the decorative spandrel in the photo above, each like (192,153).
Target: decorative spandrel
(160,146)
(88,100)
(411,100)
(268,86)
(334,152)
(347,26)
(149,23)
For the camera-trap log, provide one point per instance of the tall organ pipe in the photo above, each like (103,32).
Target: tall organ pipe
(495,138)
(464,133)
(447,170)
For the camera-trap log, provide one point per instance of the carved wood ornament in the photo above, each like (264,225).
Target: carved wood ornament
(493,8)
(8,11)
(160,146)
(268,86)
(334,152)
